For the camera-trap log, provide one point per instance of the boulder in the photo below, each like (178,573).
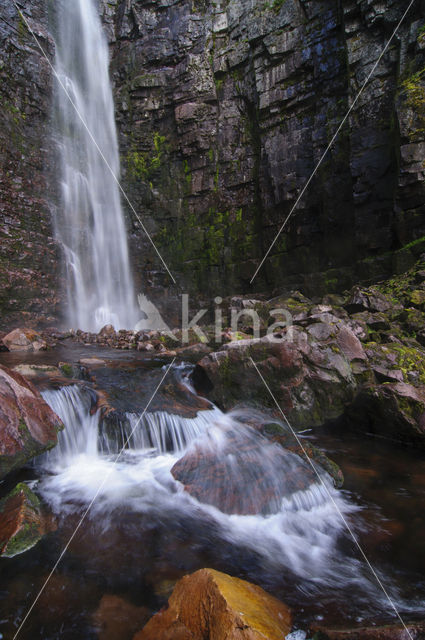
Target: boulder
(243,473)
(209,605)
(28,427)
(393,409)
(370,299)
(24,340)
(311,379)
(22,522)
(107,331)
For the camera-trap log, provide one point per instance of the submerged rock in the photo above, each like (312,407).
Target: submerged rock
(22,522)
(210,605)
(116,618)
(416,631)
(28,427)
(241,472)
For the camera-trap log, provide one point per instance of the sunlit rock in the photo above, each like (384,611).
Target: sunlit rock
(210,605)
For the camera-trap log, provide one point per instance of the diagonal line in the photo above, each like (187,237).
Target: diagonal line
(344,520)
(84,123)
(86,512)
(336,134)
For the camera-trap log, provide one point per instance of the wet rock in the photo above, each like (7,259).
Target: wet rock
(193,353)
(311,380)
(394,410)
(242,473)
(117,618)
(388,632)
(209,605)
(73,371)
(37,370)
(92,362)
(28,426)
(107,331)
(22,522)
(24,340)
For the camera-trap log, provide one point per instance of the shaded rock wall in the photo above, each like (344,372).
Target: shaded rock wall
(28,255)
(224,108)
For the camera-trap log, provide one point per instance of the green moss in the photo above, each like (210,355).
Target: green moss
(275,5)
(67,370)
(274,429)
(29,532)
(409,361)
(413,91)
(142,165)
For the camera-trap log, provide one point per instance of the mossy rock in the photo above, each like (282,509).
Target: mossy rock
(22,522)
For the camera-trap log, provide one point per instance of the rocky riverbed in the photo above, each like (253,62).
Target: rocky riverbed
(348,369)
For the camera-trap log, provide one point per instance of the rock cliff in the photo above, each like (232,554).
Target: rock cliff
(28,254)
(224,109)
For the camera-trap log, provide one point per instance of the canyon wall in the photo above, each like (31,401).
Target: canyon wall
(28,254)
(224,109)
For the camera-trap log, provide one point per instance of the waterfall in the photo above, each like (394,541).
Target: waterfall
(84,433)
(89,222)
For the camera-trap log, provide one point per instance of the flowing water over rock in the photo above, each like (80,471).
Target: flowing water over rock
(194,489)
(237,487)
(90,221)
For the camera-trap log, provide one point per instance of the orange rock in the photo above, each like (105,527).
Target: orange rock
(209,605)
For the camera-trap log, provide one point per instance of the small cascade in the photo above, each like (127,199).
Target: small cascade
(164,432)
(84,433)
(73,405)
(213,469)
(90,221)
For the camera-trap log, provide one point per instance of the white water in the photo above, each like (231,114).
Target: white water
(301,536)
(90,222)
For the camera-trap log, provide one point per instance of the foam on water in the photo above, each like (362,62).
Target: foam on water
(302,536)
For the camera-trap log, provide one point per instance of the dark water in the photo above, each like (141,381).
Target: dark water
(137,554)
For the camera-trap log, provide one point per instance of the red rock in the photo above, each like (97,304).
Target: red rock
(245,476)
(209,605)
(350,345)
(28,426)
(22,523)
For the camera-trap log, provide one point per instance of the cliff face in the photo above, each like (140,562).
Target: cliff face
(224,109)
(28,255)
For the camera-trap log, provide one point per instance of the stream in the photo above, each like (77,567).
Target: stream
(144,531)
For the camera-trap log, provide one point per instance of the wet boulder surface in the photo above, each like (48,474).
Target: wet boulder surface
(28,427)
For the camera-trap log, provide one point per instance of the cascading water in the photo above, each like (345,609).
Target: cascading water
(299,533)
(90,222)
